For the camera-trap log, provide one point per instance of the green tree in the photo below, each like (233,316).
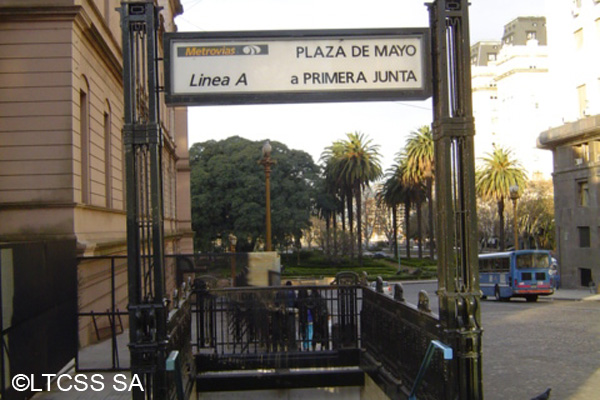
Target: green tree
(536,215)
(494,178)
(355,161)
(420,172)
(228,193)
(392,194)
(339,187)
(326,208)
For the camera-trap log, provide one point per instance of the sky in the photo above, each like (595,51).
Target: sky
(312,127)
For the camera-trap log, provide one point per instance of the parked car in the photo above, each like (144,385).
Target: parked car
(388,289)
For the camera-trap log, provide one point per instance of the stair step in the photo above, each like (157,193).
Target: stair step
(279,379)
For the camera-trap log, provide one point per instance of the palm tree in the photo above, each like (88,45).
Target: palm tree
(420,171)
(499,172)
(398,191)
(332,157)
(355,161)
(390,195)
(325,204)
(360,166)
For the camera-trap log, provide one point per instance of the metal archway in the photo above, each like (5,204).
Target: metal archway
(456,227)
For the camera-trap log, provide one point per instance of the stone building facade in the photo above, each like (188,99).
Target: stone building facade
(574,136)
(61,147)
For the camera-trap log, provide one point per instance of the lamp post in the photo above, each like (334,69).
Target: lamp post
(267,162)
(514,195)
(232,243)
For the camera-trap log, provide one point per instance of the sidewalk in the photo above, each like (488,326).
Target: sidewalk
(574,295)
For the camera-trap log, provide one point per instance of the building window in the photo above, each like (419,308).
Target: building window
(531,35)
(84,131)
(596,151)
(108,159)
(583,194)
(584,236)
(579,38)
(582,97)
(492,57)
(581,153)
(586,276)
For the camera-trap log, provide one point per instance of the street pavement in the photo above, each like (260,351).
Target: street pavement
(529,347)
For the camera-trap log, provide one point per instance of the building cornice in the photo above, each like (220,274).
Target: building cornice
(87,18)
(92,25)
(516,71)
(42,13)
(579,130)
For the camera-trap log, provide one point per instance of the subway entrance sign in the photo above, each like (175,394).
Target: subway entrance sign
(220,68)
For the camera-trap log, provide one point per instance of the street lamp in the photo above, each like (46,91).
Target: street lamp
(267,162)
(232,243)
(514,195)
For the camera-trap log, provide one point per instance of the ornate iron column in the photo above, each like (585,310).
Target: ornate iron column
(143,146)
(456,233)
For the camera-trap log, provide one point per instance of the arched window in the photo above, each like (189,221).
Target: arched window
(84,135)
(108,172)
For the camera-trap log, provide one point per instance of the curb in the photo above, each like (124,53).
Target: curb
(593,297)
(411,282)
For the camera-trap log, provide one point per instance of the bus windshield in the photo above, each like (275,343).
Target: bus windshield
(533,260)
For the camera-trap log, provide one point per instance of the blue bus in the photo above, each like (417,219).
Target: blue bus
(521,273)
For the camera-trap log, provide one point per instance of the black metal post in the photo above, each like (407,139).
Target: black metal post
(143,148)
(453,130)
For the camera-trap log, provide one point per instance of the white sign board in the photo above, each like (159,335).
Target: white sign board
(300,66)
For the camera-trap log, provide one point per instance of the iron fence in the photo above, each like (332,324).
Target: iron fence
(103,318)
(276,323)
(245,328)
(396,336)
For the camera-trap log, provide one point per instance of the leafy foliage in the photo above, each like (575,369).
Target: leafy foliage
(350,165)
(228,193)
(499,172)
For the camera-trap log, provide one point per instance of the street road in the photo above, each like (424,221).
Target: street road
(529,347)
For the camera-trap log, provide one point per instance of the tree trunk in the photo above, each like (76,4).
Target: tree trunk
(430,210)
(407,227)
(501,215)
(420,228)
(343,214)
(350,223)
(395,228)
(327,237)
(358,193)
(335,241)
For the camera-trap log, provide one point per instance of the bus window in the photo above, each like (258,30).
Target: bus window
(533,260)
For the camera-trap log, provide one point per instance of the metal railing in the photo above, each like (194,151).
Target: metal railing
(276,327)
(396,336)
(286,319)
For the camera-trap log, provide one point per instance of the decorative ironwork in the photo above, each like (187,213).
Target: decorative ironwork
(143,147)
(456,228)
(396,336)
(234,323)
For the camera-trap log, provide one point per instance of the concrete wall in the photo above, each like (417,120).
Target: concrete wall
(261,266)
(370,391)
